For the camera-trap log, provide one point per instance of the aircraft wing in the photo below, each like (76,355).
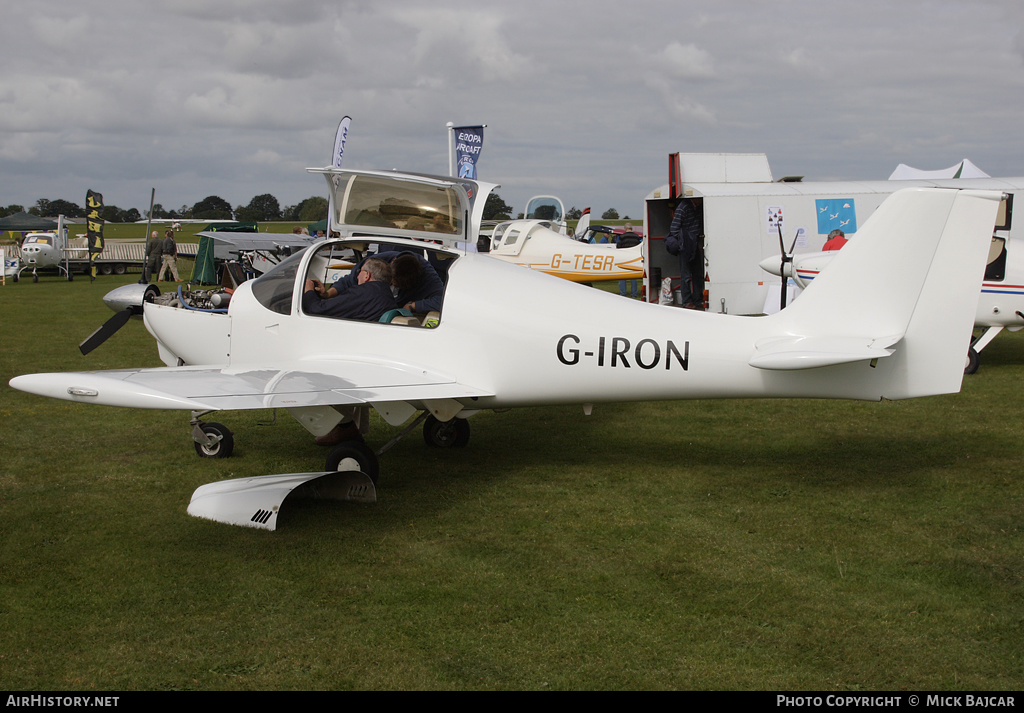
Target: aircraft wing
(199,388)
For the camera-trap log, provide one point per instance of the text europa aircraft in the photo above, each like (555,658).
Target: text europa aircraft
(509,337)
(538,245)
(1000,305)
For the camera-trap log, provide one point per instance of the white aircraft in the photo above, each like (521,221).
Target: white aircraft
(538,245)
(508,337)
(541,242)
(1000,305)
(42,251)
(530,243)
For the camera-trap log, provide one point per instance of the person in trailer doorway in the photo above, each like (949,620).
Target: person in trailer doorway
(686,240)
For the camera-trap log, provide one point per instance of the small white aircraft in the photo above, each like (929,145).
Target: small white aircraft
(530,243)
(1000,305)
(508,337)
(538,245)
(42,251)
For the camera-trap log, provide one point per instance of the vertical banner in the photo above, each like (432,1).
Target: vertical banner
(94,227)
(469,142)
(340,139)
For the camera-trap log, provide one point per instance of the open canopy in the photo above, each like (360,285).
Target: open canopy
(440,209)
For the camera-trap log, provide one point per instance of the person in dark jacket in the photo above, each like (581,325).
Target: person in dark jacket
(170,257)
(367,300)
(684,240)
(418,285)
(154,255)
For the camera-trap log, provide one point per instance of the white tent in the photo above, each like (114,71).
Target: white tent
(964,169)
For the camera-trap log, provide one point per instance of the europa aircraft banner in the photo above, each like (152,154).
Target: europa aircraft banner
(469,141)
(94,221)
(340,140)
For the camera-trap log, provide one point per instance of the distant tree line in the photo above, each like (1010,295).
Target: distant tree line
(575,213)
(262,208)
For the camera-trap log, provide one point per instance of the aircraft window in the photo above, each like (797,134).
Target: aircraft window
(384,202)
(499,230)
(274,288)
(996,268)
(512,236)
(545,211)
(427,293)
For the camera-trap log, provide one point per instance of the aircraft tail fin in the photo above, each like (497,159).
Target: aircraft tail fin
(582,225)
(905,287)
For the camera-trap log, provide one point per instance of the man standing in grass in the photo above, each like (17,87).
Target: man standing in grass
(170,257)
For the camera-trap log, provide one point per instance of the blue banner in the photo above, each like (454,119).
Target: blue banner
(469,141)
(836,213)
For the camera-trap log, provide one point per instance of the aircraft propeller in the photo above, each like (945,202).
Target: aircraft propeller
(106,330)
(787,257)
(127,302)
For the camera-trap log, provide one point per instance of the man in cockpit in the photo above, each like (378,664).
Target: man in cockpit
(366,298)
(416,283)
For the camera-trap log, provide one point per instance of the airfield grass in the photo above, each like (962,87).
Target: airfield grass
(752,545)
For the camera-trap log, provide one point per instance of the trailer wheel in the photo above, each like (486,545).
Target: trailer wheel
(105,269)
(120,269)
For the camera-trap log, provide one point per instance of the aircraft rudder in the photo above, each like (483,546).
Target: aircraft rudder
(934,348)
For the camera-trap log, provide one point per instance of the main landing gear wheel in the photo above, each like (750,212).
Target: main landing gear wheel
(446,434)
(220,441)
(973,361)
(354,455)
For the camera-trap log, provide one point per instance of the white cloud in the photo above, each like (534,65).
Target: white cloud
(685,62)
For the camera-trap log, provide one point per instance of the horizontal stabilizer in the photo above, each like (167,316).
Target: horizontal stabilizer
(256,502)
(785,353)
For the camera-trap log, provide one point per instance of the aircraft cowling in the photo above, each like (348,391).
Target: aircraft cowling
(131,296)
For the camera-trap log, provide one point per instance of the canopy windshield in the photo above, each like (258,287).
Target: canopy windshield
(375,202)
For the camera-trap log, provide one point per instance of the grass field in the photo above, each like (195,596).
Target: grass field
(753,545)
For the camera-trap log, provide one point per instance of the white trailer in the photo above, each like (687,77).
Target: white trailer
(117,258)
(743,210)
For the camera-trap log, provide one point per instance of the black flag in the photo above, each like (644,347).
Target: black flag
(94,229)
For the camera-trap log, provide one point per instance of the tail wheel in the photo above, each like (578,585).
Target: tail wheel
(353,455)
(221,447)
(446,434)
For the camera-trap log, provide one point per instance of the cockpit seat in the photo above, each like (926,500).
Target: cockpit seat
(400,316)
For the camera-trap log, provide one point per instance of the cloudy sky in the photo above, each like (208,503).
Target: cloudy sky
(582,99)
